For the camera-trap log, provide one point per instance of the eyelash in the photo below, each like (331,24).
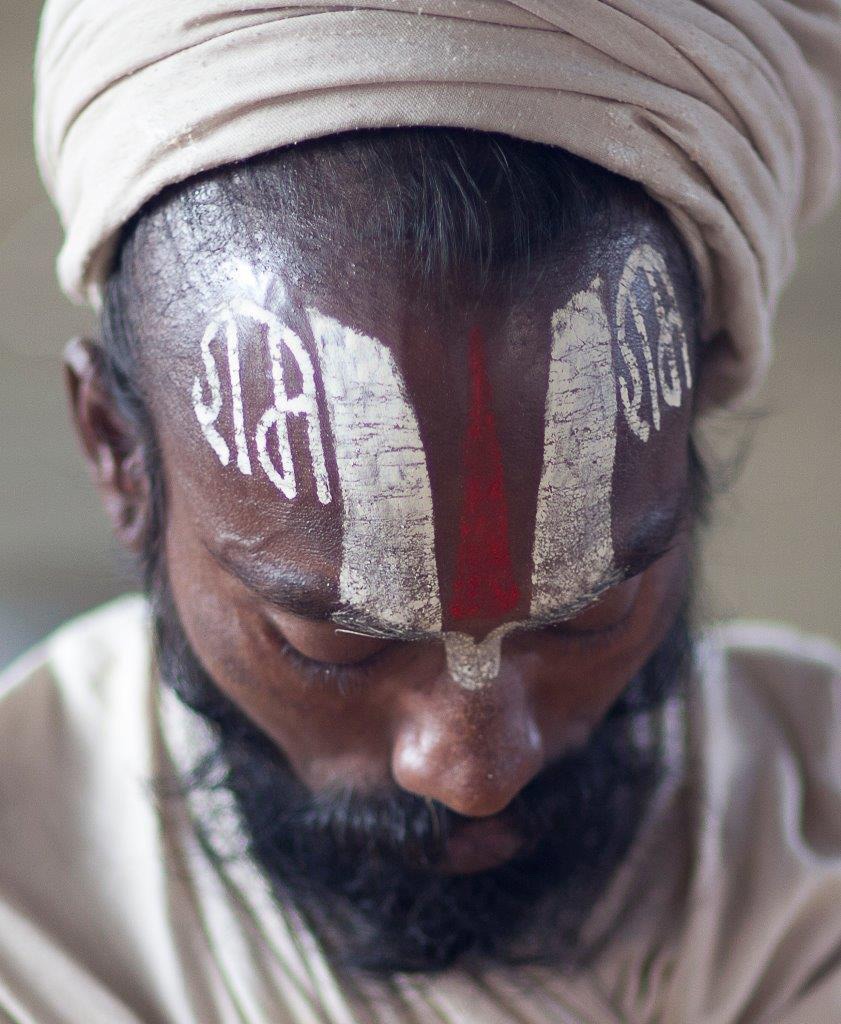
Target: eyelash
(587,638)
(345,677)
(329,673)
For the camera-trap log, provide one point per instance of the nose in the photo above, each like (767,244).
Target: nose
(471,750)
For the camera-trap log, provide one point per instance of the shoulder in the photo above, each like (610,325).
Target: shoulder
(763,932)
(58,696)
(772,687)
(79,829)
(82,652)
(94,637)
(73,707)
(773,646)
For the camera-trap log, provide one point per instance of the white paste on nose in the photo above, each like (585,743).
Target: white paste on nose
(388,539)
(573,537)
(471,663)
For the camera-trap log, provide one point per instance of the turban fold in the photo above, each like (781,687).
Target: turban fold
(723,110)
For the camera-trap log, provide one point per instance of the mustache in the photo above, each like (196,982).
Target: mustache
(397,826)
(391,828)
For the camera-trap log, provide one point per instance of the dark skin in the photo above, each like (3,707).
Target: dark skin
(255,575)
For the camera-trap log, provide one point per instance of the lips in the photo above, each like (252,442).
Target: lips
(480,845)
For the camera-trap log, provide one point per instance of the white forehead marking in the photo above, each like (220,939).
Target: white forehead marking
(256,284)
(471,663)
(243,460)
(573,538)
(388,538)
(388,549)
(208,413)
(662,371)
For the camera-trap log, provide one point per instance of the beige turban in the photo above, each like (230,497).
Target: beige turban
(722,109)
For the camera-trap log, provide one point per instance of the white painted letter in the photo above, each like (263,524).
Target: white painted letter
(304,403)
(208,413)
(672,335)
(243,460)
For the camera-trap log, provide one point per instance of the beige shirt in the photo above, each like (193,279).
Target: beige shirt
(727,911)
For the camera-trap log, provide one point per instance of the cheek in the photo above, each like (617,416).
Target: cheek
(206,606)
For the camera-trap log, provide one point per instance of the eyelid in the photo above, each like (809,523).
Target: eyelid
(597,633)
(650,560)
(602,632)
(329,665)
(327,672)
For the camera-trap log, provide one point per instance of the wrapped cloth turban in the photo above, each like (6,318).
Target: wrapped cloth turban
(722,109)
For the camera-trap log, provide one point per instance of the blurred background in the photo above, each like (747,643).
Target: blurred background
(773,549)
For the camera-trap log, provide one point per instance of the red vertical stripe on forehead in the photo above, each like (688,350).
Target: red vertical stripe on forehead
(484,584)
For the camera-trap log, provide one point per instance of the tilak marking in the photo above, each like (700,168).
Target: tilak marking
(573,539)
(388,533)
(389,568)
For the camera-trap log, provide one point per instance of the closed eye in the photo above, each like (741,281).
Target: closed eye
(341,673)
(607,615)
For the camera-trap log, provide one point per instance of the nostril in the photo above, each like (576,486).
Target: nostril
(476,777)
(473,792)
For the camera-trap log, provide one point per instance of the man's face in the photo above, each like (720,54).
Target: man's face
(425,541)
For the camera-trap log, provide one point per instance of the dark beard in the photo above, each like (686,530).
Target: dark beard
(362,867)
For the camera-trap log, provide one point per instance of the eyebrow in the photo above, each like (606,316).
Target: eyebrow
(289,588)
(653,538)
(308,595)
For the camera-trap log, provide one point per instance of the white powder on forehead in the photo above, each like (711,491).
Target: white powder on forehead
(388,539)
(573,538)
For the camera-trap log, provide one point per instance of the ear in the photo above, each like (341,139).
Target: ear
(111,444)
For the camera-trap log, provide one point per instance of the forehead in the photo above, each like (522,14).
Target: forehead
(325,412)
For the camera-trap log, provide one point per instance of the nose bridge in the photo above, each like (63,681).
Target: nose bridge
(474,663)
(472,749)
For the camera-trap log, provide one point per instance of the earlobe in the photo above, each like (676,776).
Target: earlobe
(111,443)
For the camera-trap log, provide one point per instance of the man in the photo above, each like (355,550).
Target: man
(399,424)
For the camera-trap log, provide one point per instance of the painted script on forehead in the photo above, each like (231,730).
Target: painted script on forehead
(347,388)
